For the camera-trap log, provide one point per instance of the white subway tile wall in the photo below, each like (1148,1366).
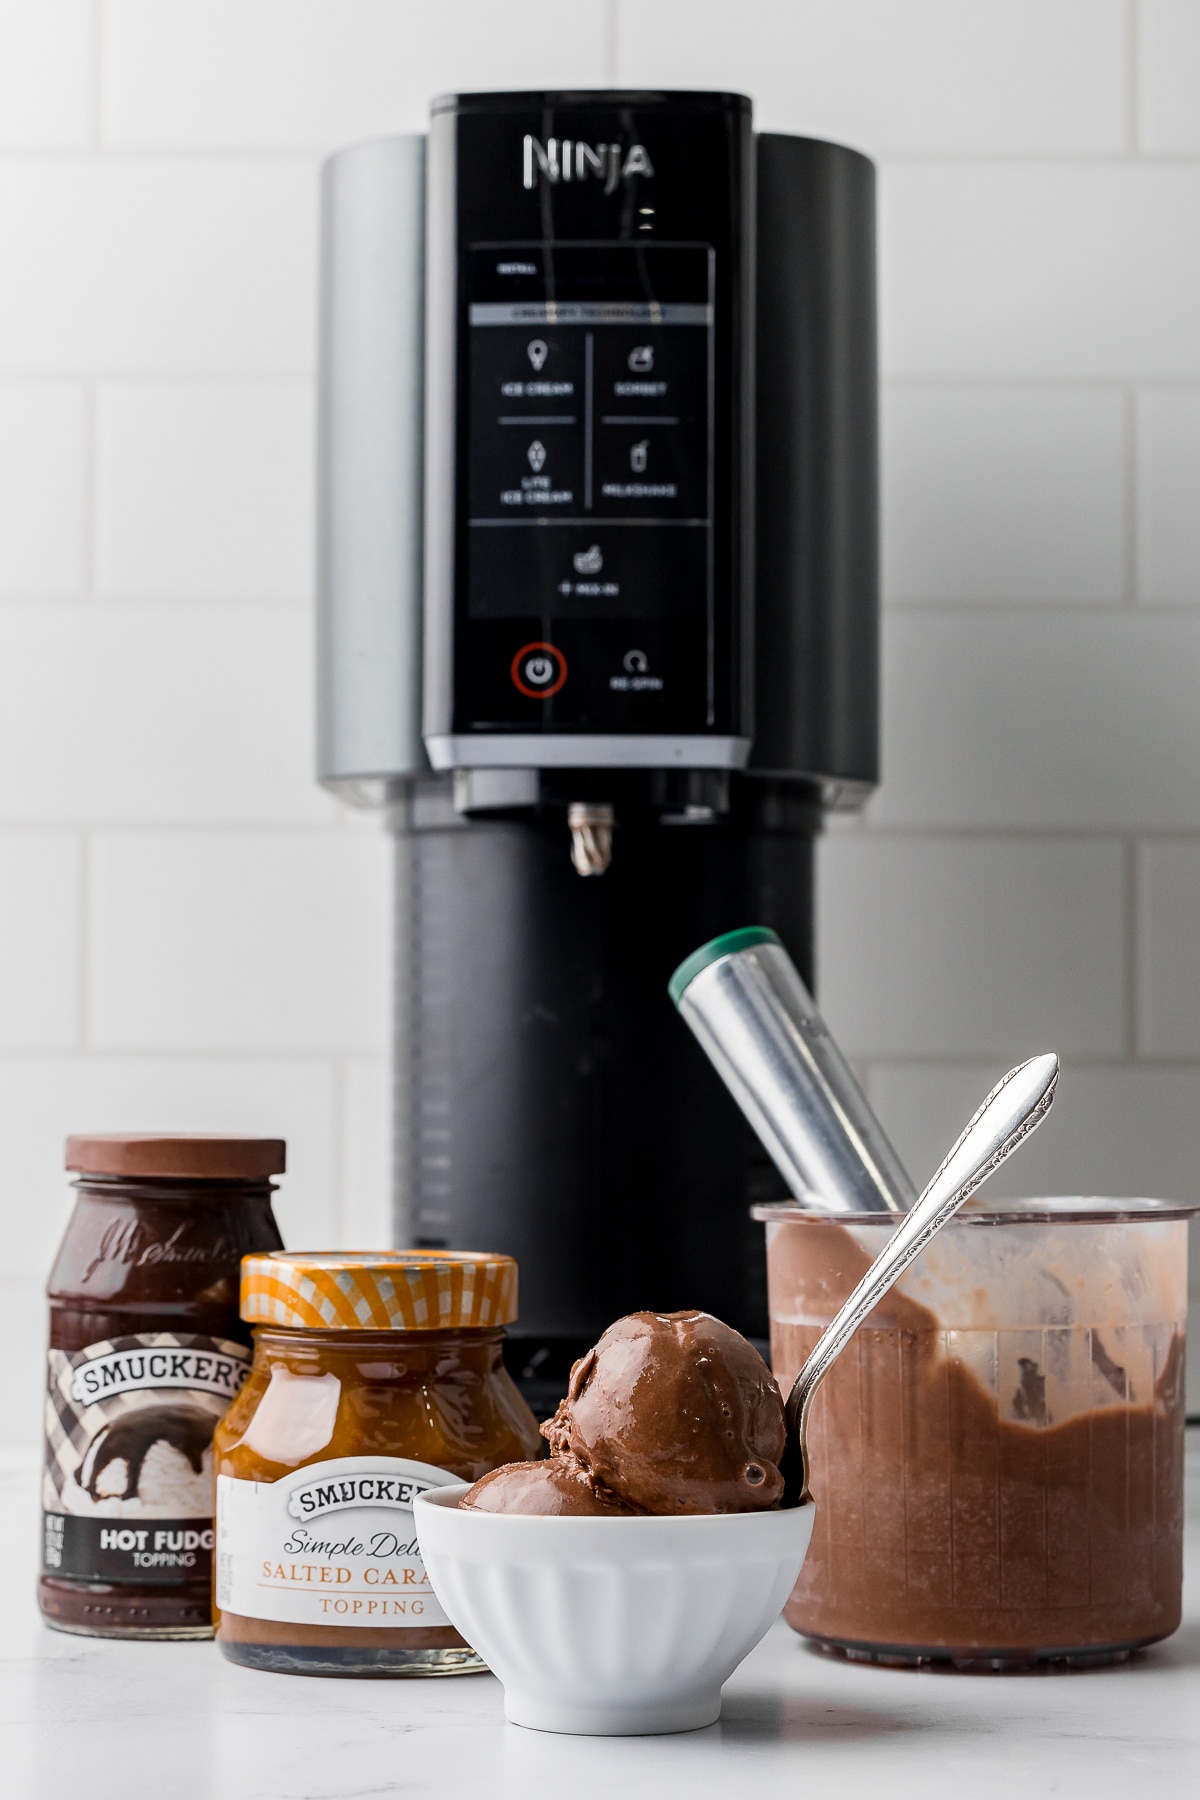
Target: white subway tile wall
(1168,477)
(47,66)
(964,77)
(41,909)
(204,940)
(193,936)
(137,712)
(1004,493)
(1169,69)
(43,487)
(204,488)
(1168,948)
(949,946)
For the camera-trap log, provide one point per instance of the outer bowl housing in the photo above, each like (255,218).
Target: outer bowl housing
(611,1627)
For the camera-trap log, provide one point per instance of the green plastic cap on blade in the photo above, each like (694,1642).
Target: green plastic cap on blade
(717,947)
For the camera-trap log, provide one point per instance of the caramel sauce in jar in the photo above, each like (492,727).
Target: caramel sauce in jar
(146,1351)
(380,1376)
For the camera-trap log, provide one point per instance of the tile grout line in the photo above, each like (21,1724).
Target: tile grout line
(1133,78)
(91,475)
(207,155)
(1130,497)
(1041,606)
(204,603)
(1001,833)
(169,829)
(14,1056)
(158,378)
(853,831)
(83,942)
(1035,608)
(1078,159)
(241,378)
(1132,958)
(337,1146)
(928,1062)
(1006,383)
(96,88)
(612,27)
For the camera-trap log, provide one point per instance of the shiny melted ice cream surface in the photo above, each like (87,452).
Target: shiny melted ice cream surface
(667,1413)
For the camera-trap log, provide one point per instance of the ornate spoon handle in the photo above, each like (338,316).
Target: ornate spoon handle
(1015,1107)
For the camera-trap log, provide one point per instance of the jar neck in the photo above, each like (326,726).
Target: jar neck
(276,1343)
(191,1190)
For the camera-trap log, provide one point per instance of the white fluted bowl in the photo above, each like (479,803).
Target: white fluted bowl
(611,1627)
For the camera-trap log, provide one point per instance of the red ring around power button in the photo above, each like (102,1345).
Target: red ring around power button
(538,670)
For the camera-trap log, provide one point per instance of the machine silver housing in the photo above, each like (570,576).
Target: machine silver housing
(369,553)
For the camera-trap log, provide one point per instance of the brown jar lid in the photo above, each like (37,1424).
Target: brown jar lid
(180,1155)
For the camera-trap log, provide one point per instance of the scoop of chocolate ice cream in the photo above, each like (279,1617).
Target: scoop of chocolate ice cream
(675,1413)
(561,1486)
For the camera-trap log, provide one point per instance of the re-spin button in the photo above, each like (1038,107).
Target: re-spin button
(538,670)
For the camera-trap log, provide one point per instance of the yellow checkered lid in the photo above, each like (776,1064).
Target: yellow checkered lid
(378,1290)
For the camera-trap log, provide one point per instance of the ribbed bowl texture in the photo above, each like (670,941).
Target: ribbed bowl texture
(611,1627)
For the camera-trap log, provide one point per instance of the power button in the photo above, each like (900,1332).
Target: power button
(538,670)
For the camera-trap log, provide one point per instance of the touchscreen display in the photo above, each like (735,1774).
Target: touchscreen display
(590,430)
(589,477)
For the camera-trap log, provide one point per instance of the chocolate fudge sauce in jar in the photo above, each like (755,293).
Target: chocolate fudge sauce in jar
(998,1456)
(147,1350)
(377,1375)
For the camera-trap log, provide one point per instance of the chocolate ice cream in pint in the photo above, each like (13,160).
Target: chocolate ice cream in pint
(998,1457)
(668,1413)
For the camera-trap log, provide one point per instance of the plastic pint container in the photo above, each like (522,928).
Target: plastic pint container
(998,1455)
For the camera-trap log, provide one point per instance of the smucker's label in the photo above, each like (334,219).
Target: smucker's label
(127,1485)
(331,1544)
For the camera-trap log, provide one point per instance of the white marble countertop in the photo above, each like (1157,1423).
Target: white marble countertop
(91,1719)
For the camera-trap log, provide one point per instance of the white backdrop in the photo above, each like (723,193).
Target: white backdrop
(191,935)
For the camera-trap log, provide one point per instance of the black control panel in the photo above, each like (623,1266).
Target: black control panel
(600,257)
(590,479)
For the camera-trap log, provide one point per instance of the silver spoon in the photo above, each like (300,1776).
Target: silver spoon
(1015,1107)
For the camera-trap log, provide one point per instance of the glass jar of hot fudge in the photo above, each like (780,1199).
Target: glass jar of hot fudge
(377,1375)
(146,1351)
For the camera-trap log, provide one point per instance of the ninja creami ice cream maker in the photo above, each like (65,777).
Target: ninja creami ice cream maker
(598,627)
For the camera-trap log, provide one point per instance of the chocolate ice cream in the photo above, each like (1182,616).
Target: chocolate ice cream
(668,1413)
(562,1486)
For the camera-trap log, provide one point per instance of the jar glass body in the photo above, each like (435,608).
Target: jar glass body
(997,1457)
(143,1260)
(438,1401)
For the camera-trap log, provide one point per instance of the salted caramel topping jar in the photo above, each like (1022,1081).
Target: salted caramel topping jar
(376,1376)
(147,1349)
